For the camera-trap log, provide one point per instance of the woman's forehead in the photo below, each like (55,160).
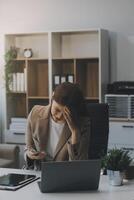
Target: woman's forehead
(57,105)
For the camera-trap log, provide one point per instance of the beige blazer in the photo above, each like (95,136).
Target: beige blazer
(38,131)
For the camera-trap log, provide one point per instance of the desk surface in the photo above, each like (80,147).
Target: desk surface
(105,191)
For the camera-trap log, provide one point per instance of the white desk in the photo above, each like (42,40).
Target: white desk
(105,192)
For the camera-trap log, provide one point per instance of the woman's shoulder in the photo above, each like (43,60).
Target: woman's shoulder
(39,111)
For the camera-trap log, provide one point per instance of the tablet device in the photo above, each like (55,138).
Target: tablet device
(14,181)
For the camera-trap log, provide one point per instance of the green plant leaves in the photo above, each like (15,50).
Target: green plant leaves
(116,159)
(9,66)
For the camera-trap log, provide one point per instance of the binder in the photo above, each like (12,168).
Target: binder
(56,80)
(70,78)
(63,78)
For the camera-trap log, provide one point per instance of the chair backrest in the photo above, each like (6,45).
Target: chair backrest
(98,113)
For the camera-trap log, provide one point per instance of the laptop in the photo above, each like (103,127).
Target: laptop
(70,175)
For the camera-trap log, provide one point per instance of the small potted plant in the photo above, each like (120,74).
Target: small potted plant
(116,162)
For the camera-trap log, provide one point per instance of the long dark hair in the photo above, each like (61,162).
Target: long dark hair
(70,95)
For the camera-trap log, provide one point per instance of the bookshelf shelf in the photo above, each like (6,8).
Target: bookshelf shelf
(92,98)
(74,58)
(26,59)
(16,93)
(39,97)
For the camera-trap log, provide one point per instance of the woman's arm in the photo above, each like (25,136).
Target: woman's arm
(31,150)
(78,143)
(72,126)
(79,150)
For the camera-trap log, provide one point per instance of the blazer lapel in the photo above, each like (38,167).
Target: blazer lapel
(63,139)
(43,133)
(43,128)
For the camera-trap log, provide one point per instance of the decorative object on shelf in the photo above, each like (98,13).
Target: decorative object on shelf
(28,53)
(9,66)
(116,162)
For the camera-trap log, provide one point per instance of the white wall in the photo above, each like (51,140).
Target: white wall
(43,15)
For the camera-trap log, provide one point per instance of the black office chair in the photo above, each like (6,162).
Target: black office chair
(98,113)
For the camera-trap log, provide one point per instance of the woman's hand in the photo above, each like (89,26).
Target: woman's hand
(74,130)
(35,155)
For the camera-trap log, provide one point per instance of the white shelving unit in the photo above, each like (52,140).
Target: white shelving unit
(81,53)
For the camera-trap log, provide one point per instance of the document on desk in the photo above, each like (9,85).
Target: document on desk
(13,181)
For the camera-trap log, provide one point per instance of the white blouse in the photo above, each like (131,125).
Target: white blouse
(55,130)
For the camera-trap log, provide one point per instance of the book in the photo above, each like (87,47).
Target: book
(18,130)
(17,126)
(25,79)
(18,119)
(14,82)
(22,86)
(18,83)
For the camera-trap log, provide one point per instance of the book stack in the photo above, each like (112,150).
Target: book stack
(18,125)
(18,83)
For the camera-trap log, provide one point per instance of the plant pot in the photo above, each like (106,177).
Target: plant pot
(115,177)
(129,173)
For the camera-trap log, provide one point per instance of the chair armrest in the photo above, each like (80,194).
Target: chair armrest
(9,151)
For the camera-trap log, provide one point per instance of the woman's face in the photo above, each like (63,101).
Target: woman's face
(57,112)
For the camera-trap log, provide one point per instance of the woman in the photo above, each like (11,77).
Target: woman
(59,131)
